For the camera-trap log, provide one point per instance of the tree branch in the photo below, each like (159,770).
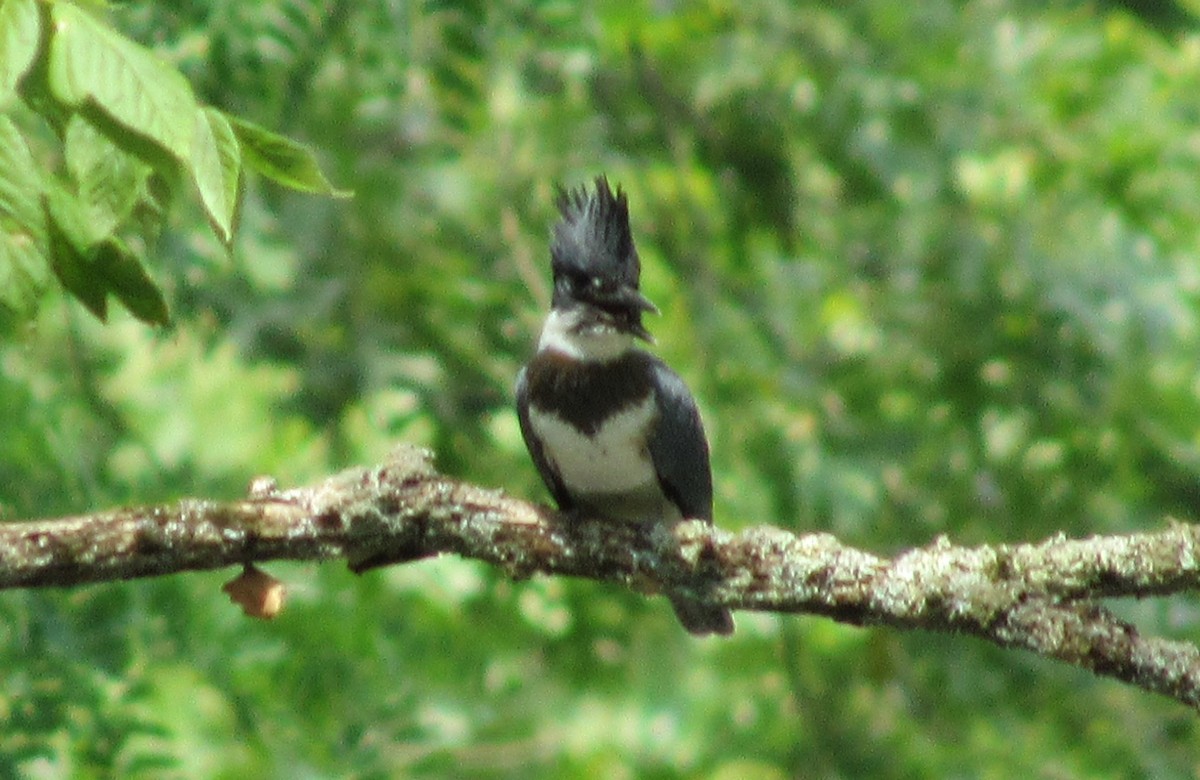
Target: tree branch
(1039,597)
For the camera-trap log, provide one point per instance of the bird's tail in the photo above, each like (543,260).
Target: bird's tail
(701,619)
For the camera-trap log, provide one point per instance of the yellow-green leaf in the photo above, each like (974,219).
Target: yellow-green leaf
(23,244)
(93,65)
(18,43)
(216,169)
(110,181)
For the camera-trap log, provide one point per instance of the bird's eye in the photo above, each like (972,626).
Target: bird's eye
(597,282)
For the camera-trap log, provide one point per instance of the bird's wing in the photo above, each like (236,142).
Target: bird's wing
(678,446)
(547,472)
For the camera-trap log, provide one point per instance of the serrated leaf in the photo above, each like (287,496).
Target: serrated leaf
(281,159)
(128,279)
(92,64)
(24,273)
(110,181)
(18,43)
(216,169)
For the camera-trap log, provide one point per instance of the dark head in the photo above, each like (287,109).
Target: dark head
(593,257)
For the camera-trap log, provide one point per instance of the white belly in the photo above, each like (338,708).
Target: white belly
(614,460)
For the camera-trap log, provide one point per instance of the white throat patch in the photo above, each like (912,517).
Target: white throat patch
(565,333)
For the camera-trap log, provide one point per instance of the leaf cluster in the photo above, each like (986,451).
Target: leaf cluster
(97,134)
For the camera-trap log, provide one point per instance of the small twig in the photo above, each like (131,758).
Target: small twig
(1039,597)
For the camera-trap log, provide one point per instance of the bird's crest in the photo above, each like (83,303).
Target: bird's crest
(592,239)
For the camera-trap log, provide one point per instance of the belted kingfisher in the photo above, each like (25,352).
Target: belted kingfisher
(613,431)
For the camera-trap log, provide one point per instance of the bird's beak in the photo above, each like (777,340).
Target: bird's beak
(639,330)
(632,298)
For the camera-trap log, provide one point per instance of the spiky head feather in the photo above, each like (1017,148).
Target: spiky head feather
(593,243)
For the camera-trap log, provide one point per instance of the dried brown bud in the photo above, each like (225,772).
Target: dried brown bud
(259,594)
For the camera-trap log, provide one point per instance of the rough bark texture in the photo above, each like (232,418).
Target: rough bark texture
(1039,597)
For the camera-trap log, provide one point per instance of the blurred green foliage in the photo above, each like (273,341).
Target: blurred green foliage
(930,268)
(96,134)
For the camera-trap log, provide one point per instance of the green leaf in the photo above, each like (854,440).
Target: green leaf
(23,242)
(128,279)
(216,169)
(281,159)
(70,239)
(18,43)
(92,65)
(110,181)
(90,263)
(22,278)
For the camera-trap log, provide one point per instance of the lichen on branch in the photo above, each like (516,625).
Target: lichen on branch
(1038,597)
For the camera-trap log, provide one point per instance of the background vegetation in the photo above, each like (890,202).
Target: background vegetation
(931,269)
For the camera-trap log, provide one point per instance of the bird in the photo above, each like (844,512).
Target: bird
(613,431)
